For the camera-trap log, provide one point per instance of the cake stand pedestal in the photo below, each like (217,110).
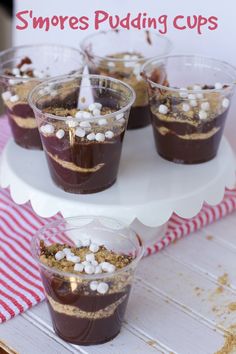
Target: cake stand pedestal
(148,188)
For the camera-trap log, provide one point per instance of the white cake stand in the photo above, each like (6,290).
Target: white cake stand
(148,188)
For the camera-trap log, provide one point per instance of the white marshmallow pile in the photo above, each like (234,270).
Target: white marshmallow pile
(90,265)
(82,129)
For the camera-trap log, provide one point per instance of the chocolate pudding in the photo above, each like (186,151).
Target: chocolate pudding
(83,157)
(126,67)
(86,311)
(20,115)
(188,127)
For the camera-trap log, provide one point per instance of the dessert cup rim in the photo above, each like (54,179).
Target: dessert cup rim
(40,45)
(133,264)
(65,78)
(169,46)
(159,59)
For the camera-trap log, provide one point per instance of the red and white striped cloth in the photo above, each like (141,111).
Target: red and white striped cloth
(20,283)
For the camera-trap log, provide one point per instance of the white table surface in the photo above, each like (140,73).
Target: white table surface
(174,308)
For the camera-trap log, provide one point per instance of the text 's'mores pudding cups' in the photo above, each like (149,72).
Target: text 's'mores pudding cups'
(21,69)
(82,129)
(189,98)
(120,54)
(87,266)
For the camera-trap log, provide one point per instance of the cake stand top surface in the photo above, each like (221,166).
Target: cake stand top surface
(148,188)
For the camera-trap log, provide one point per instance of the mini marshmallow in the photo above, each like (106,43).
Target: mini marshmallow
(86,263)
(91,136)
(98,269)
(78,243)
(218,86)
(94,247)
(93,285)
(111,268)
(205,106)
(108,267)
(89,269)
(225,103)
(193,103)
(95,105)
(80,132)
(100,137)
(79,114)
(70,256)
(74,259)
(109,134)
(186,107)
(60,134)
(14,98)
(47,129)
(71,123)
(67,251)
(94,263)
(102,121)
(87,115)
(105,266)
(78,267)
(86,242)
(183,92)
(96,112)
(16,72)
(6,96)
(85,124)
(90,257)
(59,255)
(203,115)
(102,288)
(119,116)
(163,109)
(191,96)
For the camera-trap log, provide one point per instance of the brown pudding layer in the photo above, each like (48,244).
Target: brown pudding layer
(20,115)
(81,315)
(128,72)
(186,130)
(84,164)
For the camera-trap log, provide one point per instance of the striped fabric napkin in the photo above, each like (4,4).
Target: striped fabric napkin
(20,283)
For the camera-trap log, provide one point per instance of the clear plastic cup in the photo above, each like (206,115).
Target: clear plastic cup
(189,99)
(120,54)
(18,79)
(82,129)
(81,313)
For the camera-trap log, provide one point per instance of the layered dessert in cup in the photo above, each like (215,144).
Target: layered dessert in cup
(82,129)
(189,99)
(120,54)
(21,69)
(87,266)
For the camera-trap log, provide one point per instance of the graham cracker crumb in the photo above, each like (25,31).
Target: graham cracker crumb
(232,306)
(224,279)
(209,237)
(230,342)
